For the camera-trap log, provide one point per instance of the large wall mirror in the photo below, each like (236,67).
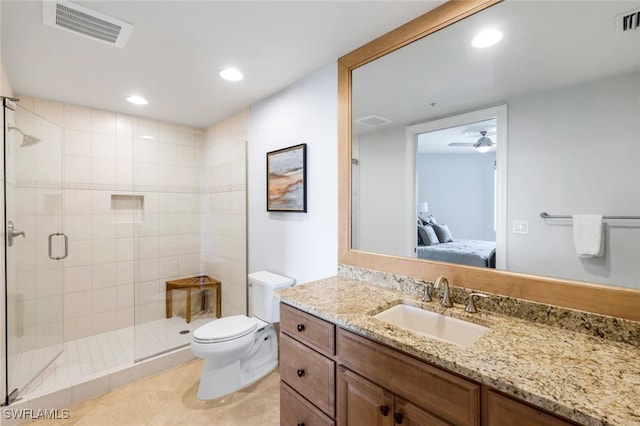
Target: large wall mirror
(435,131)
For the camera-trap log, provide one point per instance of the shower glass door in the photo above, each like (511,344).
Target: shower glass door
(34,245)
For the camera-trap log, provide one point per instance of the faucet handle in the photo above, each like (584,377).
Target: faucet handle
(471,306)
(428,288)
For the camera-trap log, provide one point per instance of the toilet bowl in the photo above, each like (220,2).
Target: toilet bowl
(239,350)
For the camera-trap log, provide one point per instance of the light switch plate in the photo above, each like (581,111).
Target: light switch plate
(521,227)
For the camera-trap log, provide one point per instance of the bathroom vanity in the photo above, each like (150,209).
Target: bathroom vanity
(544,359)
(340,365)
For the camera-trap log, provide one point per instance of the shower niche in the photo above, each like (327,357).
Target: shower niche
(127,208)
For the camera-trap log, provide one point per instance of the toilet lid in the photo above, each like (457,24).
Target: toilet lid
(226,328)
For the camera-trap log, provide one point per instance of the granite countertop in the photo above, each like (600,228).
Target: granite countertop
(587,379)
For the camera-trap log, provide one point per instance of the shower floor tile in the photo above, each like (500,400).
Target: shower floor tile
(108,353)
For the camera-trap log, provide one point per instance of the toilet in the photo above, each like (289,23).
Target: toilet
(239,350)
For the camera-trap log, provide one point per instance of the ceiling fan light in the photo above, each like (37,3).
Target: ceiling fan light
(483,144)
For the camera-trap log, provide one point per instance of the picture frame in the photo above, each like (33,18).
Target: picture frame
(287,179)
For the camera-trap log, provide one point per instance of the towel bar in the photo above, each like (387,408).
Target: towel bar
(546,215)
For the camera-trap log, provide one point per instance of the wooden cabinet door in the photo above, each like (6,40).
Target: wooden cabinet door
(362,403)
(295,410)
(504,411)
(447,395)
(412,415)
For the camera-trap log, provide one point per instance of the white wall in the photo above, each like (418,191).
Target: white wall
(576,150)
(299,245)
(460,191)
(379,223)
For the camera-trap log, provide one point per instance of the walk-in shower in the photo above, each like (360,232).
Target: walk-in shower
(102,209)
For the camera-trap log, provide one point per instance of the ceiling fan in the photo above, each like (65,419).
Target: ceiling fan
(483,144)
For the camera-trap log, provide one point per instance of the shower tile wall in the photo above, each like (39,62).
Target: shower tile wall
(225,209)
(109,154)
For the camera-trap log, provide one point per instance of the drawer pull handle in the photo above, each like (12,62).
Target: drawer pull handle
(384,410)
(397,417)
(300,372)
(300,424)
(300,328)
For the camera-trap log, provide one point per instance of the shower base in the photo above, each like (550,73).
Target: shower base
(94,365)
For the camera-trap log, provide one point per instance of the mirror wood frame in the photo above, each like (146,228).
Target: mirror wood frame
(596,298)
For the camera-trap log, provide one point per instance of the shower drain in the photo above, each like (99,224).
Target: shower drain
(184,332)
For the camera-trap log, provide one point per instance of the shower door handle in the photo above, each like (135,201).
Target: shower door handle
(66,246)
(12,233)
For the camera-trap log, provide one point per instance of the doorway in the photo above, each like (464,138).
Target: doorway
(475,121)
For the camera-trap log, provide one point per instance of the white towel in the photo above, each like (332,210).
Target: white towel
(587,235)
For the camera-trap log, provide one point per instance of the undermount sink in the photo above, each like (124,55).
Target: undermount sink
(433,325)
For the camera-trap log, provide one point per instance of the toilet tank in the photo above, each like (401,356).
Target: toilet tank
(262,288)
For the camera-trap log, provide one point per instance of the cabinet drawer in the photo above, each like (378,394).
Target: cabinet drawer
(504,411)
(309,373)
(446,395)
(312,331)
(295,410)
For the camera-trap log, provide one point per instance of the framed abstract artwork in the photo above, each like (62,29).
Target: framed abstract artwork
(287,179)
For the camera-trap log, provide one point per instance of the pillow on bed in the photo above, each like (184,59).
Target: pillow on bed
(427,236)
(443,233)
(429,220)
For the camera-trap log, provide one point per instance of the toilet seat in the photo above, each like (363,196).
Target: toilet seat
(225,329)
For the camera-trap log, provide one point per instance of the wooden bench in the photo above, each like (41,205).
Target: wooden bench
(202,283)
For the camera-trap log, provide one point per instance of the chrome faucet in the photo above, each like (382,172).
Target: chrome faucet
(446,296)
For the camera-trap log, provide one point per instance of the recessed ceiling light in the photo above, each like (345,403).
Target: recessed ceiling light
(487,38)
(231,74)
(146,137)
(138,100)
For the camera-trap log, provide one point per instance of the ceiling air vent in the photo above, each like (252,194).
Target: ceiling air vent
(628,21)
(373,121)
(71,17)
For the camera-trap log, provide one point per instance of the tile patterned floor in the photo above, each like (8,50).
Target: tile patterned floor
(170,399)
